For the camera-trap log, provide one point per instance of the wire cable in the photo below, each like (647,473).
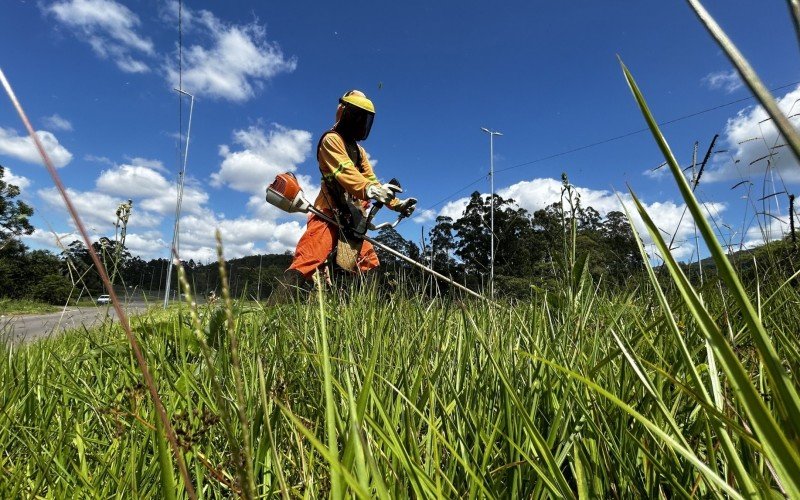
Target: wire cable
(605,141)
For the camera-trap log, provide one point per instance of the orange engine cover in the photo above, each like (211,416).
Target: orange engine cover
(286,184)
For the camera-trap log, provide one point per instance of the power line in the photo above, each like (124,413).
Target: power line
(606,141)
(457,192)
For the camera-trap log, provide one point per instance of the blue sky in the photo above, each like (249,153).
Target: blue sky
(96,77)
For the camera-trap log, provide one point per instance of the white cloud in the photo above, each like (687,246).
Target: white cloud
(98,159)
(371,159)
(23,148)
(132,181)
(729,81)
(148,245)
(97,210)
(239,236)
(264,155)
(130,65)
(150,190)
(663,171)
(537,194)
(108,27)
(454,209)
(50,240)
(285,237)
(192,202)
(149,163)
(235,62)
(424,216)
(751,144)
(265,229)
(764,230)
(657,173)
(17,180)
(57,122)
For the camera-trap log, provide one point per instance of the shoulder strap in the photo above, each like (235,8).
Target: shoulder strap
(353,151)
(344,210)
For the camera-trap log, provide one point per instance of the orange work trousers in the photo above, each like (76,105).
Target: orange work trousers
(317,243)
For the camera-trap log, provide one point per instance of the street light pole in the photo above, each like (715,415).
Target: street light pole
(491,133)
(173,251)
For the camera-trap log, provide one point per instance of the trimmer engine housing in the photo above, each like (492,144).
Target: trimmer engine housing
(285,193)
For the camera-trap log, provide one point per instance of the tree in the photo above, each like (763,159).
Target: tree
(53,289)
(442,241)
(14,214)
(134,271)
(392,239)
(12,269)
(472,231)
(622,253)
(81,268)
(518,247)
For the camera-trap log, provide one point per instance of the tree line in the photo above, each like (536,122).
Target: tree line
(530,248)
(70,275)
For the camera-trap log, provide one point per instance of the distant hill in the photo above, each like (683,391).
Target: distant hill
(777,258)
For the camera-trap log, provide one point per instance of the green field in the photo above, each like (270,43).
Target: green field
(575,392)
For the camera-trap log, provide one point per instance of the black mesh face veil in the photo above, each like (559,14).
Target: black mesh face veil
(355,123)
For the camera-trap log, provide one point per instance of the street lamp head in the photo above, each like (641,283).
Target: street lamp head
(183,92)
(486,130)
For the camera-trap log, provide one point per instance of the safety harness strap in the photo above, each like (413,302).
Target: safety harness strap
(329,179)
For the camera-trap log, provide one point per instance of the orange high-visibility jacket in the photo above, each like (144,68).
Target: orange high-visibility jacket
(335,164)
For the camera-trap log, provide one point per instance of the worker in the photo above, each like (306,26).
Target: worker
(348,183)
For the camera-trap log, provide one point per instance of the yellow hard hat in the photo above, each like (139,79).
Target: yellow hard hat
(358,99)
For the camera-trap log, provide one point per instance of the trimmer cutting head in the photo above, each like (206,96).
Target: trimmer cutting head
(285,193)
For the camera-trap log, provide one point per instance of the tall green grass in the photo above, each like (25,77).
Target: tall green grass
(573,394)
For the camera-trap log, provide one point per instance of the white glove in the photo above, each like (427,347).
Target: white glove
(406,207)
(383,193)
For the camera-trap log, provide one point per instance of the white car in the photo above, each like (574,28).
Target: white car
(103,299)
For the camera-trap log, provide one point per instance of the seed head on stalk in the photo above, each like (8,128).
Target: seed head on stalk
(123,318)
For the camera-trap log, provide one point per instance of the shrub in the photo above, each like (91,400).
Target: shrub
(53,289)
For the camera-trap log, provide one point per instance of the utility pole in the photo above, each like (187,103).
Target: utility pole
(258,293)
(791,220)
(174,249)
(160,277)
(491,133)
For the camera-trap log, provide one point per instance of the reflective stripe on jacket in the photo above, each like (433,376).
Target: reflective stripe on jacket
(335,165)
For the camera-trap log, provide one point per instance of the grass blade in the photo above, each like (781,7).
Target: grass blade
(749,75)
(330,408)
(745,482)
(786,393)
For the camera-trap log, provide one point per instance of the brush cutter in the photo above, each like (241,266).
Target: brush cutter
(285,193)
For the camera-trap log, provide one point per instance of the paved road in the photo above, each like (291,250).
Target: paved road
(30,327)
